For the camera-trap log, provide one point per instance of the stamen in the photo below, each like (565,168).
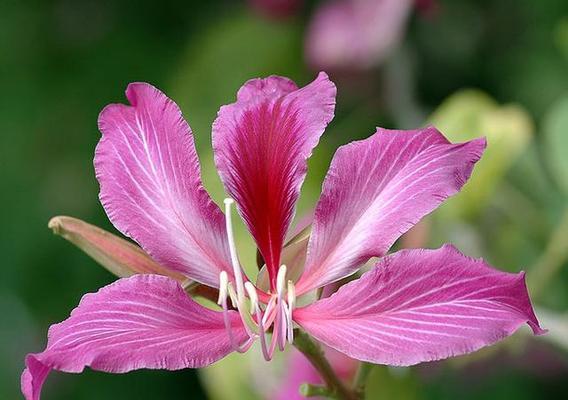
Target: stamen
(232,295)
(223,283)
(233,250)
(280,280)
(261,331)
(229,329)
(248,322)
(275,333)
(269,312)
(251,291)
(283,326)
(291,295)
(291,306)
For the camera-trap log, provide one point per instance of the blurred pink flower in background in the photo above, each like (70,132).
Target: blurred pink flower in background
(355,34)
(299,370)
(276,8)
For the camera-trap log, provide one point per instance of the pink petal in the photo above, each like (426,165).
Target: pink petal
(145,321)
(355,34)
(421,305)
(261,145)
(151,186)
(376,190)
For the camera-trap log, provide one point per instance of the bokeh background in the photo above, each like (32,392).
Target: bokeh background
(472,67)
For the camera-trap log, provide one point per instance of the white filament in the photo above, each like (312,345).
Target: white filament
(233,250)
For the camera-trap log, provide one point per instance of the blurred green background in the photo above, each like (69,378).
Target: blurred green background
(495,68)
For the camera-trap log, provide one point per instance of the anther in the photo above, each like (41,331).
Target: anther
(291,305)
(252,296)
(223,283)
(280,280)
(291,295)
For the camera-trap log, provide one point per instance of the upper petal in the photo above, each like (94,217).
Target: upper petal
(421,305)
(146,321)
(151,186)
(377,189)
(261,144)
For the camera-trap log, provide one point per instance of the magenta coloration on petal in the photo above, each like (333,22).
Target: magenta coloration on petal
(421,305)
(145,321)
(376,190)
(261,144)
(151,186)
(355,34)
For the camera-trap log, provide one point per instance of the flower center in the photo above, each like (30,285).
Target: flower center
(257,318)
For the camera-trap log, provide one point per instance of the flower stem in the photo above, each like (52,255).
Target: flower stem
(314,353)
(309,390)
(361,377)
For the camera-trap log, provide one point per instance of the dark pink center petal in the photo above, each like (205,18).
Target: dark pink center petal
(146,321)
(377,189)
(421,305)
(151,186)
(261,144)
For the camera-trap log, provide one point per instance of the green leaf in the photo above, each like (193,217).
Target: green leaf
(555,131)
(468,114)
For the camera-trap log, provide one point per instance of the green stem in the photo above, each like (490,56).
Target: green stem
(309,390)
(361,377)
(551,260)
(314,353)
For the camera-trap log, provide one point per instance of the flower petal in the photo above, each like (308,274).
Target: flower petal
(421,305)
(146,321)
(151,186)
(261,145)
(376,190)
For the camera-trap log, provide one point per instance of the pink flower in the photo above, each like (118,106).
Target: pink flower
(355,34)
(299,370)
(414,306)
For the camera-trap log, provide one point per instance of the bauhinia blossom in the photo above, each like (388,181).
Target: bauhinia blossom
(413,306)
(355,34)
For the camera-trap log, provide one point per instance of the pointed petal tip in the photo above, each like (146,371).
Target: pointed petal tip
(33,377)
(136,91)
(532,319)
